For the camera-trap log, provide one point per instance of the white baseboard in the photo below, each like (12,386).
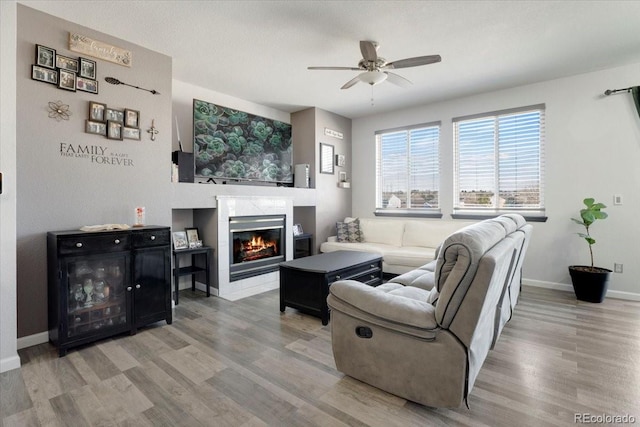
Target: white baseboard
(9,363)
(630,296)
(31,340)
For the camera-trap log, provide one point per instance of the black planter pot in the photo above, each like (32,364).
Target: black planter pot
(590,286)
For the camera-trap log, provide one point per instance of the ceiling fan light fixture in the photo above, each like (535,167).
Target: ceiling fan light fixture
(373,77)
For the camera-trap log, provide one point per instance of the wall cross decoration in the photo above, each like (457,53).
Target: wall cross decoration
(152,130)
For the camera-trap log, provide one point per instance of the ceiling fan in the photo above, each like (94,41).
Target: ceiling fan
(374,67)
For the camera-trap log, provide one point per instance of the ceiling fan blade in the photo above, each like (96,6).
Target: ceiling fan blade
(351,82)
(414,62)
(397,79)
(368,50)
(334,68)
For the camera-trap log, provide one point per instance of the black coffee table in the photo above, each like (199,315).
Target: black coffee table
(304,282)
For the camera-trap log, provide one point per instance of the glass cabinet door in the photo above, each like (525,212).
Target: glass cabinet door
(96,294)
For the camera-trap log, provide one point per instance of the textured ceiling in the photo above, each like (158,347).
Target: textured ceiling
(259,50)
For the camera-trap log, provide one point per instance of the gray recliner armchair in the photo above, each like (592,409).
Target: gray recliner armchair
(428,345)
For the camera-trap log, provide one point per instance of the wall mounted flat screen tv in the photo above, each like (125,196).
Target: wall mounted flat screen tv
(233,145)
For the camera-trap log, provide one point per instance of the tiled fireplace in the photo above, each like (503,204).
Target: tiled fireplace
(253,236)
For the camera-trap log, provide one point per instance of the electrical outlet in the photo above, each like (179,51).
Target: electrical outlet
(617,268)
(617,199)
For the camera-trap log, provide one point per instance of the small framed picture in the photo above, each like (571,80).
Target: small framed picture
(67,80)
(98,128)
(114,130)
(114,115)
(342,176)
(131,118)
(87,85)
(192,235)
(66,63)
(130,133)
(297,230)
(97,111)
(180,240)
(340,160)
(45,57)
(44,74)
(87,68)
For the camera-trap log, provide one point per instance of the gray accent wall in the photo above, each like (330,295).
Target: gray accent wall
(62,187)
(334,203)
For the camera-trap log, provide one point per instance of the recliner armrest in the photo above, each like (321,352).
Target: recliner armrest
(396,312)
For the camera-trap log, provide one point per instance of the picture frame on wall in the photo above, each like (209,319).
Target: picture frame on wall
(179,240)
(67,80)
(66,63)
(114,130)
(131,118)
(97,128)
(88,68)
(340,160)
(43,74)
(131,133)
(326,158)
(86,85)
(45,57)
(114,114)
(97,111)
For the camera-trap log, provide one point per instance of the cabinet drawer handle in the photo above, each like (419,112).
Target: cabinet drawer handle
(78,245)
(373,276)
(117,241)
(338,277)
(153,237)
(129,288)
(373,266)
(138,286)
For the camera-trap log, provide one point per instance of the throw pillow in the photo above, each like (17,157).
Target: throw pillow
(349,231)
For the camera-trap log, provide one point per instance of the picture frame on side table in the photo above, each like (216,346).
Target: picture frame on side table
(179,240)
(193,238)
(297,230)
(67,80)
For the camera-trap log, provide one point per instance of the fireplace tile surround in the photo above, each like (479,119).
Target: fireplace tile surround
(238,206)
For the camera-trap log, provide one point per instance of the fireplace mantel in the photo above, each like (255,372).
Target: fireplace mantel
(204,196)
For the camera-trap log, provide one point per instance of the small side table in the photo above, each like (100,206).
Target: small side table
(192,270)
(298,251)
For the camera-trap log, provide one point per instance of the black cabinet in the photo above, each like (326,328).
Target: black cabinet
(106,283)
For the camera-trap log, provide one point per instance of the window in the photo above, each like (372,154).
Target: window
(499,162)
(407,170)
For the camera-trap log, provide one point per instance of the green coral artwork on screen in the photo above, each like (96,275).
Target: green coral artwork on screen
(234,145)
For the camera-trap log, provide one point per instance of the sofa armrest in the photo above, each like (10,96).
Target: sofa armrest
(408,315)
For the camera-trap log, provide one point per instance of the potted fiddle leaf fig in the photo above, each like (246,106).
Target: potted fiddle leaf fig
(590,283)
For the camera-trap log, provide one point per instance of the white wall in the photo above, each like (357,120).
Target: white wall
(8,314)
(592,149)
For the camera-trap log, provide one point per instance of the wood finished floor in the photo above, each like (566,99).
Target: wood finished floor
(244,363)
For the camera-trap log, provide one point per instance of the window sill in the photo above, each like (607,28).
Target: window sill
(408,213)
(488,215)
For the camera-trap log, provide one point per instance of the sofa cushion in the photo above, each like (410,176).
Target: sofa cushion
(376,248)
(409,256)
(349,231)
(429,233)
(386,231)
